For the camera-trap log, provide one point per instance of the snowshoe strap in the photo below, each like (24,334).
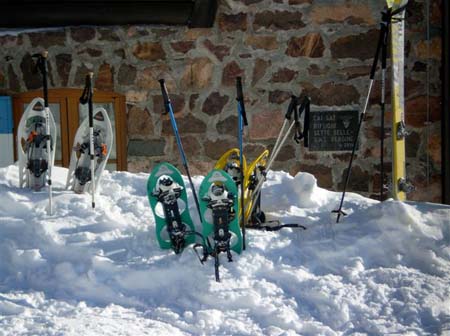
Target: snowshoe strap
(281,226)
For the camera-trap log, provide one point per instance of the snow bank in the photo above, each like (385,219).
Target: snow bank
(384,269)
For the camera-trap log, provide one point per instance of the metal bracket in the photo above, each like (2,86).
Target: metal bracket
(405,185)
(402,133)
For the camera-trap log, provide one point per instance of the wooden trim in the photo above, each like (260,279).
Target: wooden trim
(65,151)
(121,129)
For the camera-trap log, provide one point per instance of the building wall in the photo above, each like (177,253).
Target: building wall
(317,47)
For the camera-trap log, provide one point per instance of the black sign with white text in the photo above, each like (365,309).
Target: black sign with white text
(332,130)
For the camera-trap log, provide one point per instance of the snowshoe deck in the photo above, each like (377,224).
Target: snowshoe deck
(168,199)
(79,177)
(212,208)
(32,148)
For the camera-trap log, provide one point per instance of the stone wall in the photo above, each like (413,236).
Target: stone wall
(321,48)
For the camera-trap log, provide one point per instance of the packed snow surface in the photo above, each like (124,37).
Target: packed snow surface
(384,269)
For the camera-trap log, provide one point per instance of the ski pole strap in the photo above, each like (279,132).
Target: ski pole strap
(292,105)
(41,65)
(299,135)
(279,227)
(87,92)
(165,95)
(306,122)
(41,62)
(240,99)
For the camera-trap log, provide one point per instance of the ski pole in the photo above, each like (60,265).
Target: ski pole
(87,98)
(242,121)
(169,109)
(381,39)
(384,44)
(279,143)
(42,66)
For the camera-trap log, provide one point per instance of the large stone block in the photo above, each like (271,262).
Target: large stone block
(310,45)
(215,103)
(82,34)
(31,78)
(416,110)
(332,94)
(14,83)
(228,126)
(352,13)
(182,46)
(186,125)
(359,180)
(266,124)
(104,80)
(149,51)
(127,74)
(108,34)
(153,147)
(278,20)
(148,78)
(191,145)
(230,72)
(429,50)
(177,100)
(361,46)
(259,70)
(47,39)
(139,123)
(197,74)
(80,75)
(232,22)
(220,51)
(214,149)
(63,66)
(283,75)
(278,96)
(265,42)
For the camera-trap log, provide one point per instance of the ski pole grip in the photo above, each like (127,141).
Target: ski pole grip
(291,107)
(240,93)
(164,94)
(240,98)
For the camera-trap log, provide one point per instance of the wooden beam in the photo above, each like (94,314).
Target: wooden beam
(57,13)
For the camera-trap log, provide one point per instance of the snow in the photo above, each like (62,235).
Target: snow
(384,269)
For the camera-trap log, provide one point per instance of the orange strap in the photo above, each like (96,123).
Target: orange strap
(104,149)
(31,136)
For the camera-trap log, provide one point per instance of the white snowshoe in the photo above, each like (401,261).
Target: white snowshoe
(79,177)
(32,148)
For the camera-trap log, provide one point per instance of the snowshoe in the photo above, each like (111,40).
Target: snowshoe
(219,208)
(32,145)
(79,177)
(168,199)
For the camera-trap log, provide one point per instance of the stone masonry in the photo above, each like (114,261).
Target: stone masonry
(322,48)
